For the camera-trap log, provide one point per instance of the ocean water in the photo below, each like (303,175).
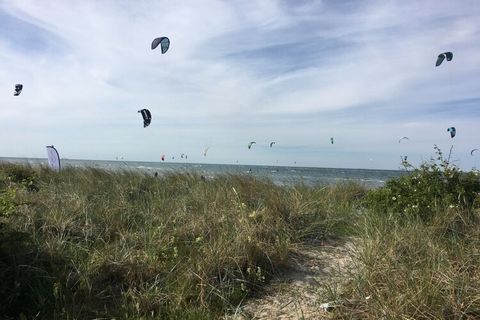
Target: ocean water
(278,174)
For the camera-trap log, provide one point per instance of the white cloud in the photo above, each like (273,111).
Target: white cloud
(264,70)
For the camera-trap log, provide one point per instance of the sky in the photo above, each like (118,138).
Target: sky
(294,72)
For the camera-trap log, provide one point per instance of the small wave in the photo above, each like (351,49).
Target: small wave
(373,180)
(145,168)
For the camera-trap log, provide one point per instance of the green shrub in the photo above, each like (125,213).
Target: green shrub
(7,197)
(22,175)
(434,186)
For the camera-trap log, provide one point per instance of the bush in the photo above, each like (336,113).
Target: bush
(22,175)
(434,186)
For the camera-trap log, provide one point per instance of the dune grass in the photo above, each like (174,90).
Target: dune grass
(86,243)
(418,253)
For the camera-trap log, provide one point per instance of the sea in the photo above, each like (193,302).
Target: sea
(280,175)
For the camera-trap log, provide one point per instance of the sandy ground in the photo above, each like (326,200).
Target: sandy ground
(299,292)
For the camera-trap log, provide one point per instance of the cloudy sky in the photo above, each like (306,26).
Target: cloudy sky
(294,72)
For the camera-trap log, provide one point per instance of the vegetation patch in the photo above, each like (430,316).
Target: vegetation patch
(419,250)
(88,243)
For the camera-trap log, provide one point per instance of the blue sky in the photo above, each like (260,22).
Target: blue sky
(294,72)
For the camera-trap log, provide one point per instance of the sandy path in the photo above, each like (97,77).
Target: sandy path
(300,291)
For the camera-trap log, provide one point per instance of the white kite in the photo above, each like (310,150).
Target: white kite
(53,158)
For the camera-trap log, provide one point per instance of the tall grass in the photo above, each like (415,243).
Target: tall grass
(419,249)
(86,243)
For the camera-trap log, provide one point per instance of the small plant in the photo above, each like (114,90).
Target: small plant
(23,175)
(7,204)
